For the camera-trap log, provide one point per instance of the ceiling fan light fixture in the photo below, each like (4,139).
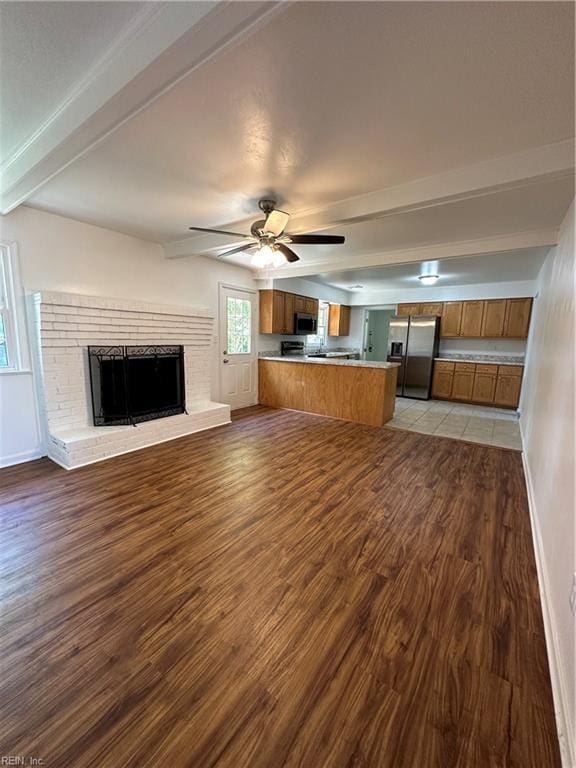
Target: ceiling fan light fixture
(428,279)
(267,256)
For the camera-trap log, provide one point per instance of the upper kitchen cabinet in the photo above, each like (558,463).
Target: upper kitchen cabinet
(289,309)
(431,308)
(338,320)
(306,305)
(493,319)
(451,318)
(276,312)
(471,323)
(517,318)
(404,310)
(489,318)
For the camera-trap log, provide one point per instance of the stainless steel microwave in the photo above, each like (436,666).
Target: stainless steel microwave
(305,324)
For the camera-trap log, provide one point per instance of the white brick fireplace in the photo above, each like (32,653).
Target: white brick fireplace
(66,324)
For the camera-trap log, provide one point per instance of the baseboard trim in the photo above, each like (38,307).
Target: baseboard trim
(21,458)
(563,726)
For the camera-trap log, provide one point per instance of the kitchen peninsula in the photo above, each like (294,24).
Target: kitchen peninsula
(355,390)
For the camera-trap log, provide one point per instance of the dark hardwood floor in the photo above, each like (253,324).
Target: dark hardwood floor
(288,590)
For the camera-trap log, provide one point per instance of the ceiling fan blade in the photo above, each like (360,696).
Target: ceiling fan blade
(317,239)
(218,231)
(276,223)
(236,250)
(287,253)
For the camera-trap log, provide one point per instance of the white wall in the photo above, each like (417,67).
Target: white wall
(20,433)
(59,254)
(319,291)
(548,428)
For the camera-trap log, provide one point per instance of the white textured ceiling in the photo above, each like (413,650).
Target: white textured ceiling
(47,49)
(485,268)
(330,100)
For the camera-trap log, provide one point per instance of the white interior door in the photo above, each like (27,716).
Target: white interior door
(238,353)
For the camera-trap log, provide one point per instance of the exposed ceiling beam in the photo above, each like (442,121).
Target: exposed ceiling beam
(436,252)
(520,169)
(164,43)
(534,166)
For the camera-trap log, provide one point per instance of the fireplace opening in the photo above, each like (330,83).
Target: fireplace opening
(134,384)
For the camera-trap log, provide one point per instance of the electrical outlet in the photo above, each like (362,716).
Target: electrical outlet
(573,595)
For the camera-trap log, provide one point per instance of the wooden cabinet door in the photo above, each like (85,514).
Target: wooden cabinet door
(484,386)
(311,306)
(507,390)
(344,329)
(517,319)
(431,309)
(442,383)
(408,309)
(333,319)
(300,304)
(493,319)
(451,318)
(278,317)
(471,325)
(338,320)
(289,312)
(463,384)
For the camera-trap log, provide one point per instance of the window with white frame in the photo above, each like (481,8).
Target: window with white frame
(322,327)
(8,338)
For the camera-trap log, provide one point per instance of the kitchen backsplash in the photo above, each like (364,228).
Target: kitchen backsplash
(489,347)
(309,349)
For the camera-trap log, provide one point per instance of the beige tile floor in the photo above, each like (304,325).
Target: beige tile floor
(474,423)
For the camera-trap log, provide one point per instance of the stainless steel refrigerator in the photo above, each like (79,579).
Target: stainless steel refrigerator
(413,342)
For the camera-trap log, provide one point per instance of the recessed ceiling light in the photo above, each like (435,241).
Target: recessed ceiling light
(428,279)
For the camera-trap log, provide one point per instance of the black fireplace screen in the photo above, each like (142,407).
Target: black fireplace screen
(134,384)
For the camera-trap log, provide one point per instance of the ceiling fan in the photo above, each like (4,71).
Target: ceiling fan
(268,241)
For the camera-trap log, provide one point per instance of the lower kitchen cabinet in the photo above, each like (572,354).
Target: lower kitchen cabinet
(463,383)
(508,390)
(482,383)
(442,384)
(442,379)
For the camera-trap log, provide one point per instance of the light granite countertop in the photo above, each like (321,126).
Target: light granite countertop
(330,361)
(493,360)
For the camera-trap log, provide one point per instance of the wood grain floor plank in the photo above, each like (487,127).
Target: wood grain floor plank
(288,590)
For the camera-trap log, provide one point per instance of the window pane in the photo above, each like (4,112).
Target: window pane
(239,325)
(3,302)
(321,331)
(3,355)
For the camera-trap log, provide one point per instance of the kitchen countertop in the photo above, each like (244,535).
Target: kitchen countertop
(482,359)
(329,361)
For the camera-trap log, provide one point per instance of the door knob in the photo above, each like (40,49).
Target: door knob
(225,361)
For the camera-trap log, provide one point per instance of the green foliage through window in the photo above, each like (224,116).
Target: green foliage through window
(239,324)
